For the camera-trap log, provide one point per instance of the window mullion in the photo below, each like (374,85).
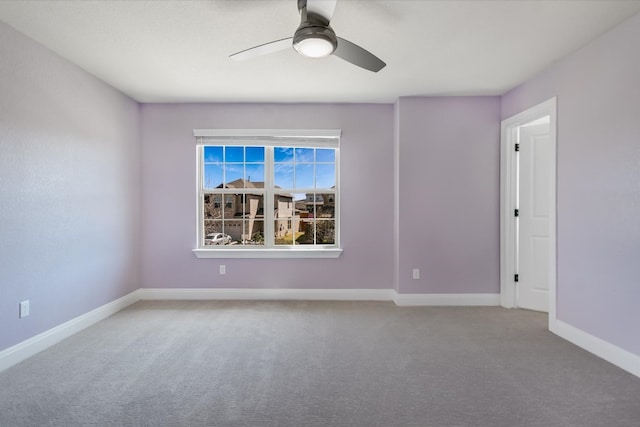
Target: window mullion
(269,195)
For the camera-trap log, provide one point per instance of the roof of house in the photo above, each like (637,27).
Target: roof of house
(242,183)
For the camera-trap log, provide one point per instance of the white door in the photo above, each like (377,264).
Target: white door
(534,195)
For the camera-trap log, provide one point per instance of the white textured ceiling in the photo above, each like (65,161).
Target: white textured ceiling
(177,51)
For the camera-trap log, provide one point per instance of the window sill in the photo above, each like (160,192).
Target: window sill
(267,253)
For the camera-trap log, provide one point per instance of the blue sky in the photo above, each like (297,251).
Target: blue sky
(294,168)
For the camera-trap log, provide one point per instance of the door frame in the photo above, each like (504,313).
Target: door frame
(508,189)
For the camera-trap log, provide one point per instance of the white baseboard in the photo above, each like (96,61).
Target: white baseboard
(268,294)
(405,300)
(322,295)
(44,340)
(611,353)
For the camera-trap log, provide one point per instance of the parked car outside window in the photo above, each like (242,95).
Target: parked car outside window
(217,239)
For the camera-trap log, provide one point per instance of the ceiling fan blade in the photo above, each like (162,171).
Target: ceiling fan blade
(356,55)
(323,8)
(263,49)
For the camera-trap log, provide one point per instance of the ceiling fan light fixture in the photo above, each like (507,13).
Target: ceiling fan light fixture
(315,42)
(314,47)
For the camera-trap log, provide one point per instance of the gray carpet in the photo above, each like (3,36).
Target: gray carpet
(195,363)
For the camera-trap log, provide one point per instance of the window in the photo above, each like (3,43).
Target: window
(279,190)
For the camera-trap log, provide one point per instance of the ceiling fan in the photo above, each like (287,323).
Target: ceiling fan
(315,38)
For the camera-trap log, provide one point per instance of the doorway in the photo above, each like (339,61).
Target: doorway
(528,209)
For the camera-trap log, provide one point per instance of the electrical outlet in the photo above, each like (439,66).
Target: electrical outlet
(223,269)
(416,273)
(24,309)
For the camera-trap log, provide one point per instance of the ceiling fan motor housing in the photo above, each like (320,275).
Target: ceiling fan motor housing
(315,40)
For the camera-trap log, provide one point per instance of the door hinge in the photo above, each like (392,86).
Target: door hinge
(515,278)
(517,147)
(516,212)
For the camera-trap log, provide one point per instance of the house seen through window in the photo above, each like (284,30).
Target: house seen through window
(275,195)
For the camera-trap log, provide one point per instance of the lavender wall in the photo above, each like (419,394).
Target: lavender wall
(448,166)
(169,197)
(69,189)
(598,92)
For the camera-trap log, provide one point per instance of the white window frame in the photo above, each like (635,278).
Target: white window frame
(308,138)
